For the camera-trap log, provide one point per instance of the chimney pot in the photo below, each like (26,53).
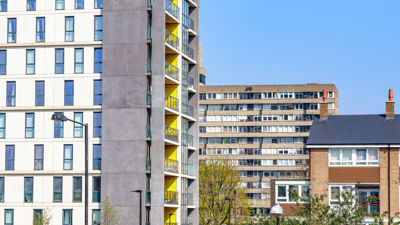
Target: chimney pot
(390,106)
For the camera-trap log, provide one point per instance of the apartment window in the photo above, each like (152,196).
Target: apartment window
(79,4)
(79,60)
(69,93)
(288,193)
(98,60)
(1,189)
(98,92)
(78,128)
(3,62)
(39,156)
(3,5)
(8,217)
(353,157)
(31,5)
(77,189)
(98,28)
(10,156)
(12,30)
(39,93)
(2,125)
(97,124)
(335,192)
(58,129)
(67,217)
(57,189)
(29,125)
(40,29)
(38,216)
(60,5)
(59,61)
(96,189)
(69,28)
(28,189)
(11,93)
(68,157)
(97,157)
(96,217)
(30,61)
(98,4)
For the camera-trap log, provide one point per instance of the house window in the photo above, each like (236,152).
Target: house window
(69,93)
(30,61)
(31,5)
(60,5)
(59,61)
(97,157)
(39,93)
(79,60)
(69,28)
(3,5)
(289,192)
(38,216)
(28,189)
(98,92)
(38,154)
(11,93)
(2,125)
(68,157)
(12,30)
(96,189)
(98,28)
(3,62)
(79,4)
(77,189)
(335,192)
(353,157)
(96,217)
(58,129)
(67,217)
(10,156)
(97,124)
(29,125)
(1,189)
(78,128)
(98,60)
(57,189)
(8,217)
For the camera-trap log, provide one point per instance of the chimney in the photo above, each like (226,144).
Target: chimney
(390,106)
(323,107)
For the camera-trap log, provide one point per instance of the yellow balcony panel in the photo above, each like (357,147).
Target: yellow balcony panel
(171,102)
(172,42)
(171,134)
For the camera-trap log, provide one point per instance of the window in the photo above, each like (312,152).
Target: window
(69,28)
(288,193)
(38,154)
(3,5)
(10,155)
(97,157)
(69,93)
(98,60)
(30,61)
(97,124)
(3,61)
(98,28)
(38,216)
(29,125)
(57,189)
(78,128)
(59,61)
(31,5)
(67,217)
(1,189)
(12,30)
(2,125)
(96,189)
(28,189)
(58,129)
(353,157)
(8,217)
(68,157)
(335,192)
(11,92)
(79,4)
(39,93)
(79,60)
(60,5)
(98,92)
(96,217)
(77,189)
(98,4)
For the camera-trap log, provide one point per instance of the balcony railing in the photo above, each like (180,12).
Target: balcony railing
(171,134)
(167,223)
(172,71)
(148,164)
(187,199)
(369,206)
(188,50)
(148,196)
(171,102)
(171,165)
(187,109)
(172,8)
(171,39)
(187,139)
(188,169)
(171,197)
(187,80)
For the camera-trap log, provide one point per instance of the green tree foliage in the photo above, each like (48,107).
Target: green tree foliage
(109,215)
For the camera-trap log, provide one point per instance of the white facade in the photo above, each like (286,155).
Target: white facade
(15,124)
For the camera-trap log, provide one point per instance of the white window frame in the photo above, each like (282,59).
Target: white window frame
(299,191)
(353,161)
(341,188)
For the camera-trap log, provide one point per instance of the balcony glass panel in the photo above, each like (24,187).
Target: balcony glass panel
(172,71)
(171,102)
(171,197)
(171,165)
(172,8)
(171,134)
(171,39)
(188,50)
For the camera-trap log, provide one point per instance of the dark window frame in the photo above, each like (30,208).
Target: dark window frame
(57,193)
(30,64)
(38,161)
(69,32)
(26,192)
(40,34)
(30,128)
(11,34)
(69,159)
(39,97)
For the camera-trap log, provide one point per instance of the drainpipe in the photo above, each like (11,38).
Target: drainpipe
(389,183)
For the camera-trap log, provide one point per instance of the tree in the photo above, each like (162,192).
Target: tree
(43,218)
(109,213)
(218,182)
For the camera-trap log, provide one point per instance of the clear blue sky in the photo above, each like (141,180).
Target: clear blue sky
(354,44)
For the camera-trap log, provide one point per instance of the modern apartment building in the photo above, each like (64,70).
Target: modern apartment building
(139,104)
(262,129)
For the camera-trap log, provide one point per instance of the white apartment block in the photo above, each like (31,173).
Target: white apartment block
(50,61)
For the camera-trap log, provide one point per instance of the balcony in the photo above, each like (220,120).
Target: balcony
(369,206)
(171,197)
(171,165)
(188,169)
(187,81)
(171,39)
(187,109)
(172,8)
(171,134)
(172,71)
(188,50)
(148,196)
(187,139)
(187,199)
(171,102)
(170,223)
